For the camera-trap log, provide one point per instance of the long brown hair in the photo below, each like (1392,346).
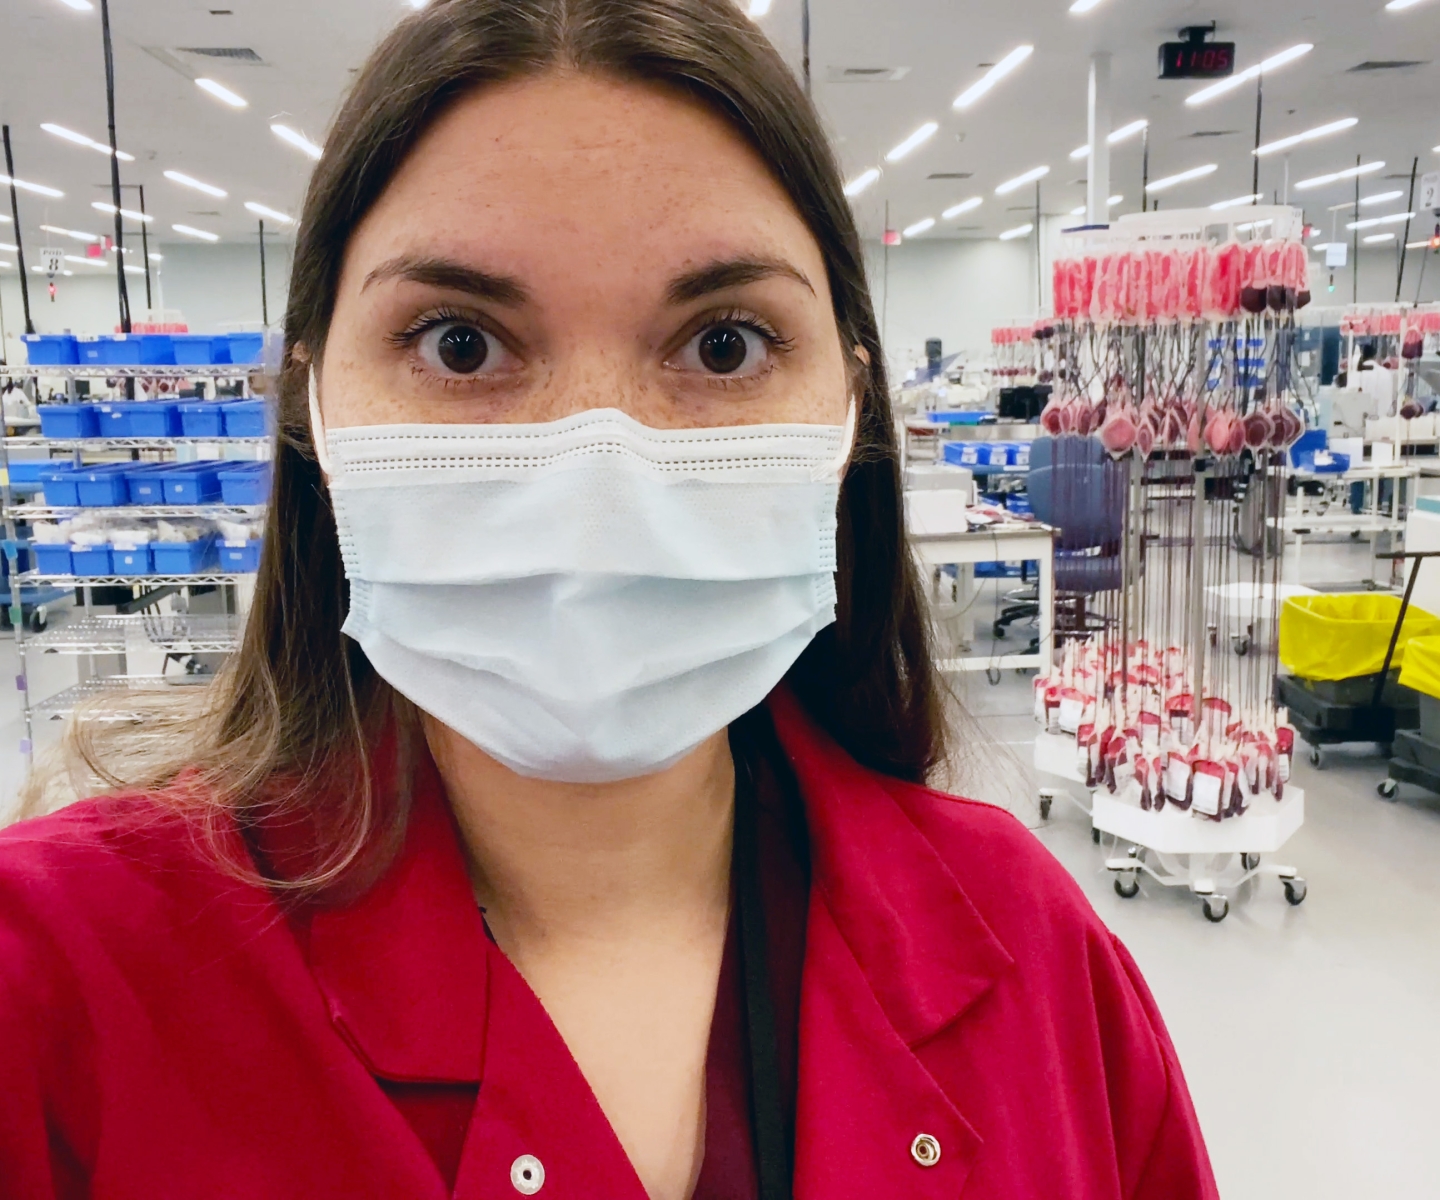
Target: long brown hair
(301,703)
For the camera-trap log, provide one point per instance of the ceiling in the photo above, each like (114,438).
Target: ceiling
(51,70)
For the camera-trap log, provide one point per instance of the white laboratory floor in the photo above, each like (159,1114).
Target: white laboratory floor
(1310,1035)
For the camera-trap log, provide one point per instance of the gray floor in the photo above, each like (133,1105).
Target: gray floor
(1310,1035)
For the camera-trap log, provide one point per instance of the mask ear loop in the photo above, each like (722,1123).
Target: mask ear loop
(835,469)
(317,427)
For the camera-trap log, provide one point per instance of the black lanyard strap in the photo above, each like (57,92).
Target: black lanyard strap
(773,1143)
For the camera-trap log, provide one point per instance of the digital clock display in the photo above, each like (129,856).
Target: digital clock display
(1197,60)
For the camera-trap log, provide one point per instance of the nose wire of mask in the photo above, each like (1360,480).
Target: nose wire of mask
(586,599)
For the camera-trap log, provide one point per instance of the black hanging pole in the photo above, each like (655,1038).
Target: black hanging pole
(114,167)
(19,239)
(1040,266)
(1355,241)
(1404,241)
(145,249)
(1144,169)
(264,299)
(805,41)
(1259,107)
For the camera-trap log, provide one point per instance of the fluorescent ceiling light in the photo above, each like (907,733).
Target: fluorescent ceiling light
(1308,136)
(6,220)
(1378,237)
(221,92)
(1169,181)
(1018,231)
(1083,6)
(1249,225)
(261,210)
(191,231)
(89,262)
(134,270)
(1417,245)
(1021,180)
(128,213)
(1119,135)
(156,257)
(81,140)
(993,76)
(862,181)
(7,266)
(298,140)
(1371,222)
(1249,73)
(1080,212)
(38,188)
(1380,198)
(757,9)
(78,5)
(417,5)
(77,234)
(1401,5)
(919,227)
(1236,202)
(189,181)
(963,207)
(1349,173)
(9,249)
(919,137)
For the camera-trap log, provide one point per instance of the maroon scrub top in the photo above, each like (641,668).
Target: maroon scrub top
(967,1026)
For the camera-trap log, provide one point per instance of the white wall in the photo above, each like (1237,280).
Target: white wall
(210,285)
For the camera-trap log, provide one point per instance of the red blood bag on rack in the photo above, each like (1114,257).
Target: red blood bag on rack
(1192,290)
(1284,748)
(1207,782)
(1279,295)
(1253,280)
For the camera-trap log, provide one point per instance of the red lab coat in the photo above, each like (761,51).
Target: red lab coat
(167,1032)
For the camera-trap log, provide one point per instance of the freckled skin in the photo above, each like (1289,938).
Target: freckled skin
(593,195)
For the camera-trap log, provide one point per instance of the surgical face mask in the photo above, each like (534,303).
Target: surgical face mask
(586,599)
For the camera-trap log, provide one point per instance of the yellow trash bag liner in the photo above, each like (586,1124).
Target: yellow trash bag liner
(1421,670)
(1343,635)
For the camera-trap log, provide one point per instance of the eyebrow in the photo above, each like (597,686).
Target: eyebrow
(454,276)
(729,273)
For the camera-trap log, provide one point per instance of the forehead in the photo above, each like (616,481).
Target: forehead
(597,171)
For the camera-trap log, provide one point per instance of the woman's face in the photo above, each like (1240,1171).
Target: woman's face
(572,242)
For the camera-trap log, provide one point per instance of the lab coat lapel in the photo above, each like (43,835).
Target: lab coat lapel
(895,953)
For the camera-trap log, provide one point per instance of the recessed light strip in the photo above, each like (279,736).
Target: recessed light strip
(1017,232)
(38,188)
(190,231)
(1234,81)
(861,182)
(1119,135)
(222,93)
(128,213)
(918,138)
(1170,181)
(191,182)
(261,210)
(1308,136)
(1371,222)
(1253,198)
(1111,203)
(80,139)
(1020,181)
(919,227)
(298,140)
(1380,198)
(993,76)
(1335,176)
(964,206)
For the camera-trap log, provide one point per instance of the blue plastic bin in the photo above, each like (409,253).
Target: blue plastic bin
(60,485)
(138,418)
(68,420)
(131,562)
(201,418)
(200,349)
(246,348)
(145,483)
(192,483)
(183,558)
(240,557)
(90,560)
(247,418)
(245,483)
(51,349)
(51,560)
(26,472)
(129,350)
(103,486)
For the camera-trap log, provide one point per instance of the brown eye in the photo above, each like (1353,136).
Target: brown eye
(723,349)
(729,348)
(459,348)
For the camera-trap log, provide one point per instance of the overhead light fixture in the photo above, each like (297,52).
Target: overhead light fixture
(1308,136)
(993,76)
(1401,5)
(190,231)
(417,5)
(918,138)
(128,213)
(1021,180)
(1110,203)
(222,93)
(6,265)
(88,262)
(191,182)
(1371,222)
(38,188)
(261,210)
(919,227)
(862,181)
(134,270)
(156,257)
(78,5)
(757,9)
(1380,198)
(1378,237)
(1018,231)
(5,220)
(964,206)
(1249,225)
(298,140)
(1084,6)
(1336,176)
(80,139)
(1425,245)
(78,235)
(1272,63)
(1119,135)
(9,249)
(1170,181)
(1253,198)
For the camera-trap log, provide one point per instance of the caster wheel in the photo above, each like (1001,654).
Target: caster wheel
(993,675)
(1126,889)
(1044,808)
(1315,759)
(38,619)
(1249,861)
(1387,788)
(1217,908)
(1295,891)
(998,630)
(1241,645)
(1094,835)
